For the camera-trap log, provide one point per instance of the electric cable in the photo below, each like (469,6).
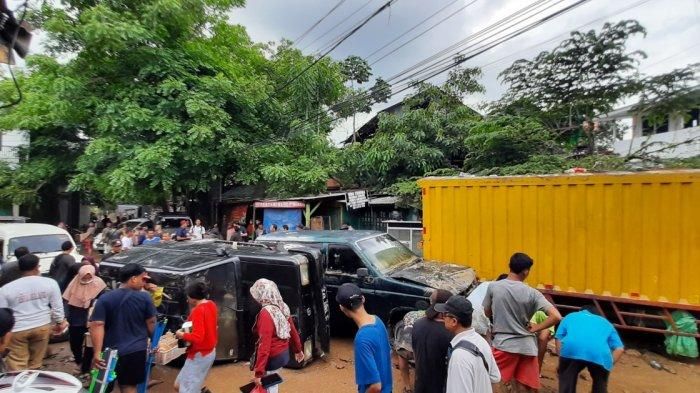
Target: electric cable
(364,22)
(304,34)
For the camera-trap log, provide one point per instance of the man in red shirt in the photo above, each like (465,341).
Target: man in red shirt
(202,339)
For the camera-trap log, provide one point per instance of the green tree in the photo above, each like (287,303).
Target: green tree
(167,97)
(357,100)
(585,75)
(429,134)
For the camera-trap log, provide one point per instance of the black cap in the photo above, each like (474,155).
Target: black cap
(441,296)
(130,270)
(349,295)
(457,305)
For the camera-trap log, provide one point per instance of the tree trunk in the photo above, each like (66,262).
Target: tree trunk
(354,132)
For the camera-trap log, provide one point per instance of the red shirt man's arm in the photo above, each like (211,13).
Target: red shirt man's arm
(198,327)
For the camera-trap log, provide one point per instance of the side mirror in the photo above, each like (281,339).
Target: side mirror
(362,273)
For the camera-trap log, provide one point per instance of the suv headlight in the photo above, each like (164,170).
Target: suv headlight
(308,349)
(304,269)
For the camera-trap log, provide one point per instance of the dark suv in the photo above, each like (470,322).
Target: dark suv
(393,279)
(230,270)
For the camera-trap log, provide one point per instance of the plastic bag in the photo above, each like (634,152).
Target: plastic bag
(682,345)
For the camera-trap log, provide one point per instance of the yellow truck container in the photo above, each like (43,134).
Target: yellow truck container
(629,236)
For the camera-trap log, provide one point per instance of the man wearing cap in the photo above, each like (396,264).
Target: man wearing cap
(471,365)
(371,346)
(511,303)
(430,341)
(124,319)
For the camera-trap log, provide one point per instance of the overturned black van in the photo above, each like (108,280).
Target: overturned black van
(230,269)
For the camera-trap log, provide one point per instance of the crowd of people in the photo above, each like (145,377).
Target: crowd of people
(453,346)
(458,347)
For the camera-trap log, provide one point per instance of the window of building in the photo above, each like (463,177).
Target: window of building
(692,119)
(650,129)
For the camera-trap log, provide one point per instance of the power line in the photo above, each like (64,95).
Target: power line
(423,32)
(652,65)
(411,29)
(514,15)
(502,24)
(375,13)
(409,85)
(619,11)
(349,17)
(304,34)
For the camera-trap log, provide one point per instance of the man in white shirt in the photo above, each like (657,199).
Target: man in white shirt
(471,365)
(126,239)
(197,231)
(37,305)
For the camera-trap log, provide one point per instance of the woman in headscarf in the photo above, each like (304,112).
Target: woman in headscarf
(80,296)
(275,331)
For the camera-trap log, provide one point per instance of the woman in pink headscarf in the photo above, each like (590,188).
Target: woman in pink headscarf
(275,330)
(80,296)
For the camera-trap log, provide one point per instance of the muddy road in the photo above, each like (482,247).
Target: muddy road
(335,374)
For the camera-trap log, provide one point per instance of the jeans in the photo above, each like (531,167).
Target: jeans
(569,370)
(27,348)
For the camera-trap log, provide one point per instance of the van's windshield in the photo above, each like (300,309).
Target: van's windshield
(385,252)
(37,243)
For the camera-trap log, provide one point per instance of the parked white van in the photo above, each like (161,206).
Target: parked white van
(43,240)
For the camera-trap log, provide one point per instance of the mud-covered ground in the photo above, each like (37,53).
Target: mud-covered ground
(335,374)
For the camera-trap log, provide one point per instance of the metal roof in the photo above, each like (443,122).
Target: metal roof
(187,256)
(385,200)
(319,236)
(21,229)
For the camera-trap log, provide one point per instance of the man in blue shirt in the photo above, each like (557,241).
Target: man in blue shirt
(124,319)
(151,238)
(371,347)
(182,233)
(586,340)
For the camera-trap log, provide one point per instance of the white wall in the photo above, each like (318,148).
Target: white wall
(658,142)
(9,142)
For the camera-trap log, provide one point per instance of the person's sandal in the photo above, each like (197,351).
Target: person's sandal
(407,390)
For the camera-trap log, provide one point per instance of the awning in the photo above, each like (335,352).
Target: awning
(386,200)
(279,205)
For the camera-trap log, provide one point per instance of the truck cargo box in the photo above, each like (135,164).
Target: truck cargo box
(631,236)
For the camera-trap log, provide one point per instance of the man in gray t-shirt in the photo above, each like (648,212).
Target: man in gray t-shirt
(511,303)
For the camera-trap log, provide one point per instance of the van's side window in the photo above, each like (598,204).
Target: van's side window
(343,258)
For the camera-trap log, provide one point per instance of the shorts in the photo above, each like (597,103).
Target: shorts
(131,368)
(523,368)
(194,372)
(402,338)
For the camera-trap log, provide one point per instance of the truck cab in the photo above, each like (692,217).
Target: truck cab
(230,270)
(393,279)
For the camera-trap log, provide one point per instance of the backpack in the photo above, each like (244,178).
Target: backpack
(468,346)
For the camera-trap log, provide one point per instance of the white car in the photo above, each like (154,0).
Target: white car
(43,240)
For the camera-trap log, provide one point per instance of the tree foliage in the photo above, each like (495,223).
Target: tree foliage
(585,75)
(429,134)
(167,97)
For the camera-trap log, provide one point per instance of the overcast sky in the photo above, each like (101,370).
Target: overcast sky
(673,32)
